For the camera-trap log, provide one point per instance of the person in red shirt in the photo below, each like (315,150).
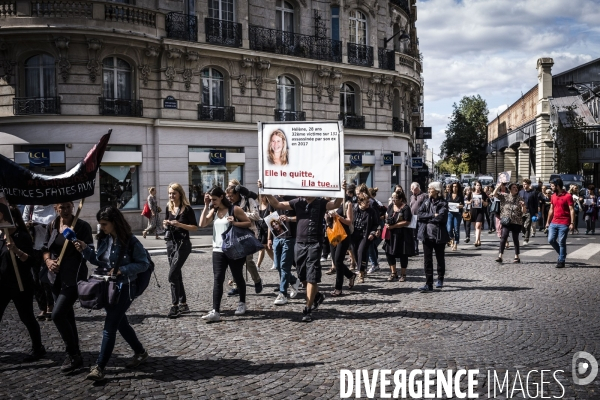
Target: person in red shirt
(560,220)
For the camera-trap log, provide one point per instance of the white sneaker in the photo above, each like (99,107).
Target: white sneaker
(241,309)
(212,316)
(280,300)
(323,259)
(273,267)
(294,289)
(373,269)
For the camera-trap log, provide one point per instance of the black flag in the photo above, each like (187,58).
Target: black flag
(21,186)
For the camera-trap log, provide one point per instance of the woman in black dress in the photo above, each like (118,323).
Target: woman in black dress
(477,210)
(401,242)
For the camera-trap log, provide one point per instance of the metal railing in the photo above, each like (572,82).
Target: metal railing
(403,4)
(182,26)
(400,125)
(210,113)
(224,33)
(121,107)
(294,44)
(352,121)
(60,9)
(387,59)
(284,115)
(36,105)
(8,9)
(120,12)
(360,54)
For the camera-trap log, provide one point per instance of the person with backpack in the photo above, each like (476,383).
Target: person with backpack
(119,254)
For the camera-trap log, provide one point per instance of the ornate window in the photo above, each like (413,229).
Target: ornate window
(284,16)
(116,78)
(221,10)
(212,88)
(358,28)
(286,94)
(347,100)
(40,76)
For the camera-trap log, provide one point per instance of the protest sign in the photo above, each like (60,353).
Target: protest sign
(477,201)
(301,158)
(275,225)
(504,177)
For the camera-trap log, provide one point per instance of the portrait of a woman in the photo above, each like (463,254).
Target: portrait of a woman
(277,152)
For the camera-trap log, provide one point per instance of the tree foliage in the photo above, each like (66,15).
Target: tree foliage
(454,166)
(466,133)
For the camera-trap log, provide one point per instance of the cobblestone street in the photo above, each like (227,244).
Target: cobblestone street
(488,316)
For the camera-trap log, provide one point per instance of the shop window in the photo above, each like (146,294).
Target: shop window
(204,177)
(357,175)
(119,186)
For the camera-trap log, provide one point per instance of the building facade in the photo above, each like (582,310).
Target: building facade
(175,80)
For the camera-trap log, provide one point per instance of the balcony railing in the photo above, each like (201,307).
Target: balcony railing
(294,44)
(8,8)
(182,27)
(403,4)
(60,9)
(400,125)
(283,115)
(121,107)
(32,105)
(352,121)
(210,113)
(387,59)
(224,33)
(359,54)
(129,14)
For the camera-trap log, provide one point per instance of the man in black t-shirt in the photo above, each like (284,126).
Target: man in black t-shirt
(310,213)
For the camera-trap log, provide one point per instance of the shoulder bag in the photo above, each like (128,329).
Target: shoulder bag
(239,242)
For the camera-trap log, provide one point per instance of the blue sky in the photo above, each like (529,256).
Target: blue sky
(490,48)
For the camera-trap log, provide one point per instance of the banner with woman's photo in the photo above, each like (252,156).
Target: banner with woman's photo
(301,158)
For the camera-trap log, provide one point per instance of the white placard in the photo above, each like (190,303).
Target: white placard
(477,201)
(413,222)
(453,207)
(588,202)
(274,224)
(301,158)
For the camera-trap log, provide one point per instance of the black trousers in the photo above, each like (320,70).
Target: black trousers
(338,255)
(415,236)
(467,225)
(391,260)
(487,218)
(24,306)
(42,290)
(360,247)
(220,264)
(177,253)
(63,316)
(506,230)
(429,246)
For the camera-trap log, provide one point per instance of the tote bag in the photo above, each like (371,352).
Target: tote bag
(239,242)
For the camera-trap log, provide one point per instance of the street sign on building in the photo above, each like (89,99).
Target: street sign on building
(423,132)
(388,159)
(416,163)
(217,157)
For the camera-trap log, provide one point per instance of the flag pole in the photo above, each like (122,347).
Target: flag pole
(62,252)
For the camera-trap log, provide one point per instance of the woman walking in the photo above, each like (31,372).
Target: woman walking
(21,245)
(345,215)
(366,228)
(153,222)
(590,212)
(455,217)
(577,206)
(512,208)
(119,254)
(478,202)
(400,243)
(64,278)
(468,197)
(264,209)
(180,221)
(223,214)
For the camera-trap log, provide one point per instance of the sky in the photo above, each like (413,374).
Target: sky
(491,48)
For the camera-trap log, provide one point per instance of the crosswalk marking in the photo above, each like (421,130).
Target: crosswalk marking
(586,252)
(536,253)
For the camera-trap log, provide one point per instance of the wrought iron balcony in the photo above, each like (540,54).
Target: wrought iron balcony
(294,44)
(224,33)
(182,27)
(387,59)
(359,54)
(403,4)
(33,105)
(210,113)
(352,121)
(400,125)
(284,115)
(121,107)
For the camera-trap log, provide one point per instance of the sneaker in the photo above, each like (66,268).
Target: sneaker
(212,316)
(329,256)
(439,284)
(373,268)
(526,241)
(233,292)
(306,317)
(241,309)
(137,359)
(467,240)
(258,287)
(294,289)
(96,374)
(426,289)
(323,259)
(184,309)
(280,300)
(273,267)
(318,301)
(174,312)
(71,363)
(560,264)
(35,354)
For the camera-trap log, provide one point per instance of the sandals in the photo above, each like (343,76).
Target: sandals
(330,272)
(144,234)
(517,261)
(499,260)
(361,277)
(351,281)
(477,244)
(336,293)
(393,277)
(402,278)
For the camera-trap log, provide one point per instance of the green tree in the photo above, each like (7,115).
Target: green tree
(453,166)
(466,133)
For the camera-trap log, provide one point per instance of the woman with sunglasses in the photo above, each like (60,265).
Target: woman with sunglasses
(400,243)
(512,208)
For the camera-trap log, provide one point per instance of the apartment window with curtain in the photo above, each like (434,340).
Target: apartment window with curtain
(116,74)
(358,28)
(286,94)
(221,9)
(284,16)
(212,88)
(40,76)
(347,99)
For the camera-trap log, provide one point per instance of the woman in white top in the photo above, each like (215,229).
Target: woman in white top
(218,209)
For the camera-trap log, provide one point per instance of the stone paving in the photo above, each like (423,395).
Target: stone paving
(488,316)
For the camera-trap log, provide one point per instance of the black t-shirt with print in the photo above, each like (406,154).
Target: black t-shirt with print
(310,218)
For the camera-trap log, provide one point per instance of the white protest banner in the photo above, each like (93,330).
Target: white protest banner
(301,158)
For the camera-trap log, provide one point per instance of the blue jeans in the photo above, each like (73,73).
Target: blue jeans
(116,320)
(557,237)
(283,258)
(453,225)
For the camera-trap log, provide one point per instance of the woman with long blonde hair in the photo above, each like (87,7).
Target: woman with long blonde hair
(277,152)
